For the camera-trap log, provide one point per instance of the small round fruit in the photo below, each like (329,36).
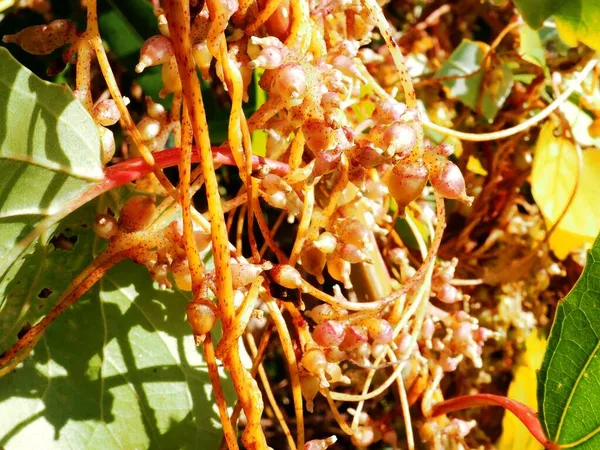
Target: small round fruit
(448,181)
(137,213)
(406,182)
(105,226)
(201,318)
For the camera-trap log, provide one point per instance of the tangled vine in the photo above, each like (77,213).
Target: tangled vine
(339,176)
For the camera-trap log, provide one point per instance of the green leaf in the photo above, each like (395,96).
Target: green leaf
(569,385)
(119,369)
(32,285)
(576,20)
(465,60)
(49,154)
(531,49)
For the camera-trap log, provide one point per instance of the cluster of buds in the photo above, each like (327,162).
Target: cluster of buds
(463,338)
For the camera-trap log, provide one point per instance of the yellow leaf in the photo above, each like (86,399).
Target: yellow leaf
(523,388)
(553,178)
(5,4)
(474,165)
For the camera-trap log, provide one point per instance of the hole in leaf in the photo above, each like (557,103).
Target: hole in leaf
(26,327)
(62,242)
(45,293)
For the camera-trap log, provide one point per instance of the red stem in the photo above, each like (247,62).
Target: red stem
(132,169)
(523,412)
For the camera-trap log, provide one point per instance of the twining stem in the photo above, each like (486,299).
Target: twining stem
(290,355)
(185,166)
(93,35)
(523,412)
(523,126)
(213,373)
(79,286)
(269,393)
(178,17)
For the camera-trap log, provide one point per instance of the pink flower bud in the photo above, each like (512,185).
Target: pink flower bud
(406,182)
(329,333)
(447,179)
(156,50)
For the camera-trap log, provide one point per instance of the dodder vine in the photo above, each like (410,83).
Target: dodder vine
(339,180)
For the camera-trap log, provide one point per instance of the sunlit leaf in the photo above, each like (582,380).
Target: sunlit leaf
(49,154)
(474,165)
(553,178)
(5,4)
(576,20)
(523,389)
(531,49)
(568,380)
(465,61)
(31,286)
(119,369)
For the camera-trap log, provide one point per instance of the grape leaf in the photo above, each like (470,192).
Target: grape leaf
(568,382)
(49,155)
(522,388)
(576,20)
(478,90)
(531,48)
(553,178)
(119,369)
(31,287)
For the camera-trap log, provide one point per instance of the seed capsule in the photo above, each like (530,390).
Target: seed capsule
(107,140)
(313,261)
(286,276)
(400,139)
(106,112)
(326,242)
(406,182)
(353,337)
(203,239)
(137,213)
(319,136)
(447,179)
(448,294)
(201,318)
(156,50)
(244,274)
(334,374)
(353,231)
(170,78)
(105,226)
(155,110)
(290,82)
(321,312)
(351,253)
(320,444)
(379,330)
(309,386)
(389,111)
(363,437)
(148,128)
(329,333)
(269,58)
(44,39)
(340,271)
(182,274)
(315,363)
